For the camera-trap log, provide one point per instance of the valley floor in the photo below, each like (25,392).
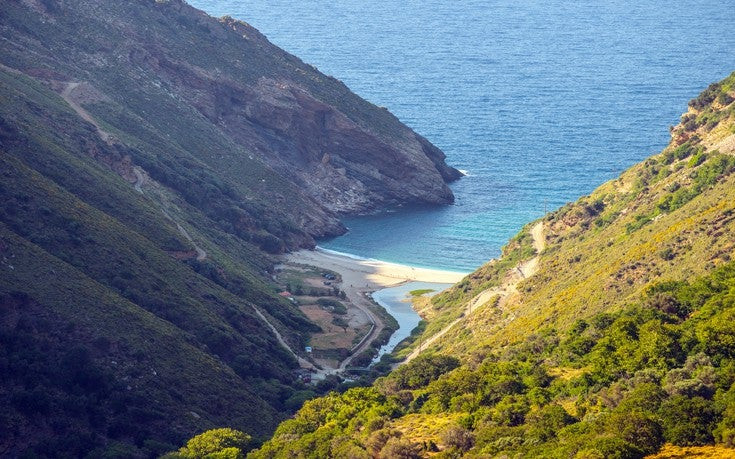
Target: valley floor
(361,277)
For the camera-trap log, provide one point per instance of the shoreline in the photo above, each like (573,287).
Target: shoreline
(352,256)
(370,273)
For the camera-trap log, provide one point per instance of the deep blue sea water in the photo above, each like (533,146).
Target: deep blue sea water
(540,101)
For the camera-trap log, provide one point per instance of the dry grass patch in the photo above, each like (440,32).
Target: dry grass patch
(420,428)
(694,452)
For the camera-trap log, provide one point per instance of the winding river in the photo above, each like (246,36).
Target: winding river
(397,301)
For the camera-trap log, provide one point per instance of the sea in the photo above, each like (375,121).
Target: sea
(537,101)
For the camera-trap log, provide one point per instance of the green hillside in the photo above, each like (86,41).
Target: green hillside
(605,329)
(91,266)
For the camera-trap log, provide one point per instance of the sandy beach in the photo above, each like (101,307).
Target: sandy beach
(371,274)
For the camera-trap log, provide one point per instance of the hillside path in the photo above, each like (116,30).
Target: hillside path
(358,298)
(522,271)
(140,180)
(303,363)
(67,95)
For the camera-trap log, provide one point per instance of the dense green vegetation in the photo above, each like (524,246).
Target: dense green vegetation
(118,338)
(616,385)
(221,443)
(139,328)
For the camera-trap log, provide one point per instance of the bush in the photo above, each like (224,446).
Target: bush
(546,422)
(216,443)
(510,411)
(422,370)
(725,431)
(638,429)
(688,421)
(458,437)
(610,448)
(336,306)
(398,448)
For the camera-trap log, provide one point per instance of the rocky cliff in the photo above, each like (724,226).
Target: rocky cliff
(222,94)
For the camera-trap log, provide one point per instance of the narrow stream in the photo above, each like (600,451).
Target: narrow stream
(397,301)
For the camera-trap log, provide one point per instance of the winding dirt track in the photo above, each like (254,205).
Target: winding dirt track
(66,94)
(303,363)
(358,298)
(504,291)
(140,181)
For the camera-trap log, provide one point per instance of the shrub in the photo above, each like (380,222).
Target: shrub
(546,422)
(398,448)
(219,443)
(510,411)
(422,370)
(610,448)
(336,306)
(458,437)
(637,428)
(688,421)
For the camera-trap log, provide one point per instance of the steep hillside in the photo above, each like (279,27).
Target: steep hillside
(151,158)
(604,330)
(86,259)
(195,96)
(668,218)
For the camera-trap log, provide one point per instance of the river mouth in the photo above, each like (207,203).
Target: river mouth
(397,302)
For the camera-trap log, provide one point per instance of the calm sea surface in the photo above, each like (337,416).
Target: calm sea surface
(539,101)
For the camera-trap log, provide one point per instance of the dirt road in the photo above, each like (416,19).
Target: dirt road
(504,291)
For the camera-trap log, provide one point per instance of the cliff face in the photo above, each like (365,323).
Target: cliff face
(167,63)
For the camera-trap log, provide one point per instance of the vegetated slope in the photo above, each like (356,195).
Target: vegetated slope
(667,218)
(620,342)
(112,329)
(150,158)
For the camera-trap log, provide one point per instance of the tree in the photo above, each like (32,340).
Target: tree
(422,370)
(688,421)
(458,437)
(224,443)
(609,448)
(637,428)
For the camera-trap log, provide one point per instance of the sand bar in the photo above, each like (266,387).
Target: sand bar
(371,274)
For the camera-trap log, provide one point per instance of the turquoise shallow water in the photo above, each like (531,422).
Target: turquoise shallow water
(540,101)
